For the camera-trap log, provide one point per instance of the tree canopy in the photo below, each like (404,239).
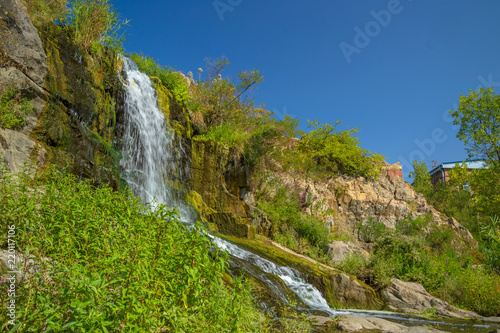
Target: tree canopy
(477,115)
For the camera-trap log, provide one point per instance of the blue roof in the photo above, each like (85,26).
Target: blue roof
(471,164)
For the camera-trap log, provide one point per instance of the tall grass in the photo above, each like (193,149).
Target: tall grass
(108,263)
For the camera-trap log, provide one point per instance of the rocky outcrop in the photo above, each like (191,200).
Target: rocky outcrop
(23,67)
(75,98)
(340,250)
(343,202)
(411,297)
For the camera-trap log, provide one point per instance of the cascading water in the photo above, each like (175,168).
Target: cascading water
(149,155)
(148,150)
(150,161)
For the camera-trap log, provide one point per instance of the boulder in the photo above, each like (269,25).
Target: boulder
(17,150)
(23,63)
(411,297)
(353,323)
(340,250)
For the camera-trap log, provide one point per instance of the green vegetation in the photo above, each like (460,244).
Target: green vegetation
(292,227)
(477,115)
(90,23)
(173,81)
(13,110)
(42,12)
(96,22)
(432,256)
(106,262)
(339,151)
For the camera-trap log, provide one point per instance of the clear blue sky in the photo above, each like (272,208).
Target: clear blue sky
(392,68)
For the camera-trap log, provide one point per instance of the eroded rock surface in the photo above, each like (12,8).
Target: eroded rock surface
(411,297)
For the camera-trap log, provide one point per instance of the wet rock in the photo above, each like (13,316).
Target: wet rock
(411,297)
(353,323)
(340,250)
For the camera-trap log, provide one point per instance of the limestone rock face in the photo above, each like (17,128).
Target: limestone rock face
(18,150)
(345,201)
(20,45)
(411,297)
(339,250)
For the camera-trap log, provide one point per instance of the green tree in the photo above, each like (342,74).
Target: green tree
(421,178)
(219,100)
(477,115)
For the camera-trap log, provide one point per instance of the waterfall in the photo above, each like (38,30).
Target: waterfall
(150,154)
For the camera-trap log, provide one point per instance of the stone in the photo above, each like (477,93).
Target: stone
(20,44)
(321,321)
(411,297)
(340,250)
(17,151)
(351,293)
(353,323)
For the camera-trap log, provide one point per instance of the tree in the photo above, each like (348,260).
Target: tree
(421,178)
(477,115)
(219,100)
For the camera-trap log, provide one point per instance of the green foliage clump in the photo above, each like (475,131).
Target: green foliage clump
(415,251)
(105,262)
(94,22)
(13,110)
(172,80)
(339,151)
(221,101)
(44,11)
(292,227)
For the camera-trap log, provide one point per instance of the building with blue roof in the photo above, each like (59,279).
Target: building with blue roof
(440,173)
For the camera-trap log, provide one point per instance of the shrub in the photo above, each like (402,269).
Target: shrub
(107,262)
(13,110)
(286,214)
(339,151)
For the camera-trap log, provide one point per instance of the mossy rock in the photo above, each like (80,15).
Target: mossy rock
(77,127)
(228,224)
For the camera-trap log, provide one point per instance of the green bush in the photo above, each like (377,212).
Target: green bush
(292,226)
(416,252)
(107,262)
(339,151)
(172,80)
(13,110)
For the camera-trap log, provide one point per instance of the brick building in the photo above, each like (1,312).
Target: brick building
(440,172)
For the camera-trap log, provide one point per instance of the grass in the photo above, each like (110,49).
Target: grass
(14,110)
(108,262)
